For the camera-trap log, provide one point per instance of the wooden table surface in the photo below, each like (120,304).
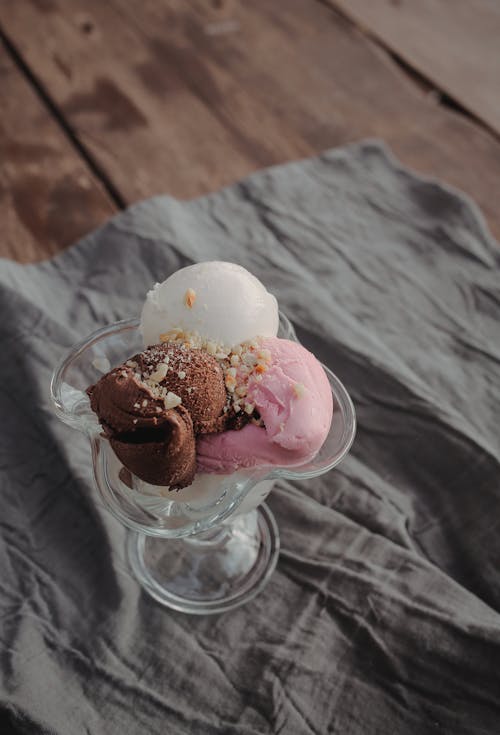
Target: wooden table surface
(105,102)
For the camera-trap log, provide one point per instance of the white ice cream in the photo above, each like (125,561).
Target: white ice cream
(221,301)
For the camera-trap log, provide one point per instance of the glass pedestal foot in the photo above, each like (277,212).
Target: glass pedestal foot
(212,572)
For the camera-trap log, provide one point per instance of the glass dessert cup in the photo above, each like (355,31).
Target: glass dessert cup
(213,545)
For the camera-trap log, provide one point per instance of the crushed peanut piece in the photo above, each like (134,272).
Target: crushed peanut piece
(230,383)
(172,400)
(160,373)
(299,389)
(102,364)
(249,359)
(171,335)
(190,298)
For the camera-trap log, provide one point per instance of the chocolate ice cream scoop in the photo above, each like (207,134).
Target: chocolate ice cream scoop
(152,406)
(164,455)
(193,375)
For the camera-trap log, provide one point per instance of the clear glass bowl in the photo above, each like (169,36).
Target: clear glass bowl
(223,541)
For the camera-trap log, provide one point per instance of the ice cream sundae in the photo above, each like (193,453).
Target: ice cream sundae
(215,390)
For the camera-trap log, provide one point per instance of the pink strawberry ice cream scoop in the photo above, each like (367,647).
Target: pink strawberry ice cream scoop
(294,400)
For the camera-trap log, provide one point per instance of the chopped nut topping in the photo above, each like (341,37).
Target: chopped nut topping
(299,389)
(190,298)
(160,373)
(172,400)
(171,335)
(239,364)
(230,383)
(102,364)
(249,359)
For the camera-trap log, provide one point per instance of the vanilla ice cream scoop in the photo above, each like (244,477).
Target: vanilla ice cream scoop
(221,301)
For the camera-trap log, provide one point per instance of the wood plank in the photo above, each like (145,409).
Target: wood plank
(454,43)
(184,98)
(331,86)
(48,196)
(140,107)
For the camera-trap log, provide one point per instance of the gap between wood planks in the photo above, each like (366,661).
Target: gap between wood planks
(415,76)
(61,121)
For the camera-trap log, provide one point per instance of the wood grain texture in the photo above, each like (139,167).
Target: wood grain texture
(454,43)
(48,197)
(185,98)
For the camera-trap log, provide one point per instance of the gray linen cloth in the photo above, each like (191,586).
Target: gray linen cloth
(383,614)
